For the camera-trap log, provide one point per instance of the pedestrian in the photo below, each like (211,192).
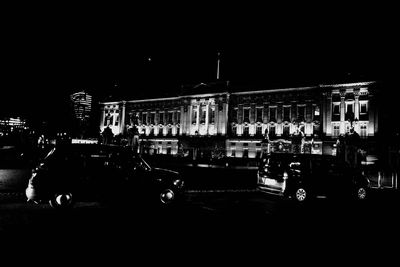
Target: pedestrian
(107,135)
(352,143)
(297,140)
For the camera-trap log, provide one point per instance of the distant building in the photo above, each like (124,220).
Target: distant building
(10,124)
(214,116)
(82,105)
(82,110)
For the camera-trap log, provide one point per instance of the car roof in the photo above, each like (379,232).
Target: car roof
(289,156)
(93,148)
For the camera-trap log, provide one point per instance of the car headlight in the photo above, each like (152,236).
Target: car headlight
(178,183)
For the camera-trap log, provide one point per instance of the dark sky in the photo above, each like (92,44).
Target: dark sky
(50,52)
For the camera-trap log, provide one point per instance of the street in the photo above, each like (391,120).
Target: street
(208,222)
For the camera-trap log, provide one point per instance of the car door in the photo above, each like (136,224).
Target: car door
(336,177)
(319,176)
(15,169)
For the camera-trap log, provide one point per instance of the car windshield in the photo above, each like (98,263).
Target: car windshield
(141,163)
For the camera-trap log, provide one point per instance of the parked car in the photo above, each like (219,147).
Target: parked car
(85,172)
(15,169)
(302,176)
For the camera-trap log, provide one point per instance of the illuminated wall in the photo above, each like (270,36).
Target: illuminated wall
(243,117)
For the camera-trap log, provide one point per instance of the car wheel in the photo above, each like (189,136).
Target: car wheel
(62,200)
(300,194)
(361,193)
(167,196)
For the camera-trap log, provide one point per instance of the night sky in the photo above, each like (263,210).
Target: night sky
(136,52)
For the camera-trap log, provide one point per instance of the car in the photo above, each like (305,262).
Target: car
(107,173)
(304,176)
(15,169)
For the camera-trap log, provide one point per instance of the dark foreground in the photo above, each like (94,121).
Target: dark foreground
(225,224)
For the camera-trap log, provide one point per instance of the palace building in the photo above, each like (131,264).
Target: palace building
(218,117)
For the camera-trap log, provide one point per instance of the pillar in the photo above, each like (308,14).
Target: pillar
(122,118)
(342,111)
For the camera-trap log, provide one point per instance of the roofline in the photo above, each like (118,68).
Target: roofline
(276,90)
(346,84)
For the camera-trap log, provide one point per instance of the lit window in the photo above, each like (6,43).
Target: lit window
(203,114)
(194,114)
(363,108)
(212,115)
(336,109)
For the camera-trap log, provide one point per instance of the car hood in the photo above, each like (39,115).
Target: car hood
(165,172)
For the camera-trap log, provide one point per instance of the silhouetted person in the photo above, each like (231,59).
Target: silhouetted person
(352,143)
(297,139)
(340,147)
(107,135)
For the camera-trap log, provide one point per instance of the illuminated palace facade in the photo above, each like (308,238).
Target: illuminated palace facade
(237,120)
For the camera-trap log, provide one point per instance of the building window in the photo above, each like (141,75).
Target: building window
(234,130)
(286,131)
(286,113)
(259,115)
(108,119)
(161,118)
(152,118)
(272,114)
(316,113)
(212,115)
(363,108)
(336,109)
(259,131)
(169,131)
(203,114)
(235,115)
(301,113)
(194,114)
(151,132)
(363,130)
(144,118)
(271,131)
(316,129)
(116,119)
(178,117)
(170,116)
(349,111)
(233,152)
(336,112)
(246,153)
(246,115)
(336,130)
(246,131)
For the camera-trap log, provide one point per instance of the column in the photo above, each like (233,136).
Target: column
(206,120)
(225,111)
(372,123)
(122,118)
(357,108)
(342,112)
(103,117)
(329,113)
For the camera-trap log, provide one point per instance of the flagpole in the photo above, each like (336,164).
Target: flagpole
(218,67)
